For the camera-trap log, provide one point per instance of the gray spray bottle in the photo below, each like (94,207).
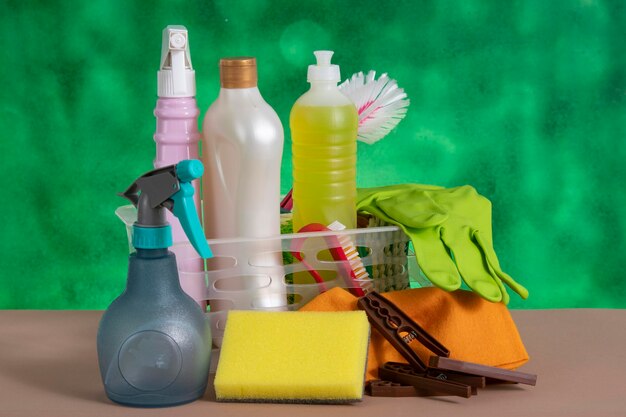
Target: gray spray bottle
(154,341)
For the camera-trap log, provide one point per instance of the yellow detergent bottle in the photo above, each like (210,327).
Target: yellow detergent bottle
(324,125)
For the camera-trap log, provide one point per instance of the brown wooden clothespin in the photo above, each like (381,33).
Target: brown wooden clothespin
(492,374)
(442,376)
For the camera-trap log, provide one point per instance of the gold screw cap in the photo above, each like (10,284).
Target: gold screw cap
(238,72)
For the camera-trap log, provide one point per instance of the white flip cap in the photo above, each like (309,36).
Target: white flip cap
(176,77)
(324,70)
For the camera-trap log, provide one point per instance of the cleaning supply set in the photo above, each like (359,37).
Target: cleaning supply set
(317,354)
(234,265)
(410,342)
(380,103)
(470,327)
(442,376)
(154,343)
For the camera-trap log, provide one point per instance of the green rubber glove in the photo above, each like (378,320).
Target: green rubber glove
(451,234)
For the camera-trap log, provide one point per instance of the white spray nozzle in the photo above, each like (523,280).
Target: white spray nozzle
(324,70)
(176,77)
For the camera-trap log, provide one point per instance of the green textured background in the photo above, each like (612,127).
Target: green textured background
(525,100)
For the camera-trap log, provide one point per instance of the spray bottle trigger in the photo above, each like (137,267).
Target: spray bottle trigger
(188,170)
(185,211)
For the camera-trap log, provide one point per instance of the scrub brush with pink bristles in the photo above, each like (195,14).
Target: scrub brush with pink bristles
(361,277)
(381,104)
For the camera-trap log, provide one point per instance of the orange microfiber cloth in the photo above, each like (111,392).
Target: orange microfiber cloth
(474,330)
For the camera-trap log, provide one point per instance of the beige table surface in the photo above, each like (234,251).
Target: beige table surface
(48,367)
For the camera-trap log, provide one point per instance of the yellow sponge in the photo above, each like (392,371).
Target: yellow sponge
(293,357)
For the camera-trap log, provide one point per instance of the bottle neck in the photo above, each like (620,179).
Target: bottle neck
(239,92)
(153,275)
(235,97)
(176,108)
(323,85)
(152,253)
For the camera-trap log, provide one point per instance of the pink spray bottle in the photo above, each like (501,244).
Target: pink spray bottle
(177,136)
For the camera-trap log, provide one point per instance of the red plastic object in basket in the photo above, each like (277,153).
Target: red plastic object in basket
(336,251)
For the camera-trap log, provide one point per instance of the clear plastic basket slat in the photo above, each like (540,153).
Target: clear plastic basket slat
(276,273)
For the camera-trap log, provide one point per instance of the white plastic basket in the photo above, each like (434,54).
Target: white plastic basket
(263,274)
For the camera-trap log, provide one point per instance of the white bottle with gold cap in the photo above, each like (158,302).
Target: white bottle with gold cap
(242,145)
